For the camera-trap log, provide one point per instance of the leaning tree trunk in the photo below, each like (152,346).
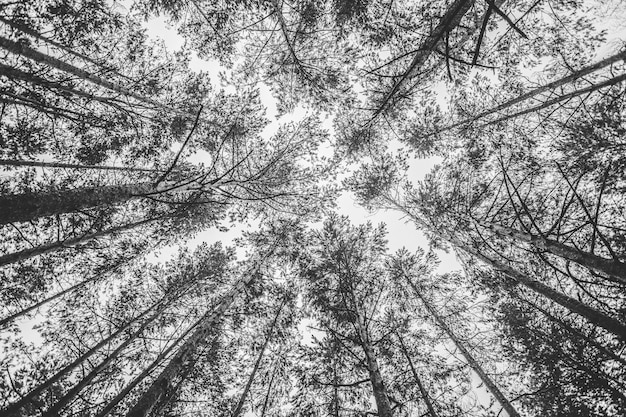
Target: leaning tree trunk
(22,255)
(160,387)
(23,163)
(34,55)
(539,90)
(425,396)
(450,20)
(30,206)
(593,315)
(608,267)
(473,363)
(237,410)
(29,399)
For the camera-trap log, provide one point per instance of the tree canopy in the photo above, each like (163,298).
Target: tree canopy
(173,238)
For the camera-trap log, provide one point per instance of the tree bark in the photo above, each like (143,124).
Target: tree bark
(34,55)
(425,396)
(380,393)
(608,267)
(237,411)
(19,163)
(30,206)
(15,409)
(10,258)
(594,316)
(450,20)
(472,362)
(160,387)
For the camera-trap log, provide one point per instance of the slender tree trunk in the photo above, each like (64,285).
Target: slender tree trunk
(55,246)
(20,163)
(376,379)
(242,399)
(268,393)
(472,362)
(31,397)
(591,314)
(75,287)
(425,396)
(160,387)
(30,206)
(550,86)
(577,333)
(128,388)
(36,35)
(34,55)
(158,309)
(608,267)
(450,20)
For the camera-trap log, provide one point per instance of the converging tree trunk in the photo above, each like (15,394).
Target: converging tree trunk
(164,383)
(472,362)
(418,381)
(608,267)
(242,398)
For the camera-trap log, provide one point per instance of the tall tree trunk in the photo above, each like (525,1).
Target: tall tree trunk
(55,246)
(242,399)
(34,55)
(608,267)
(31,398)
(30,206)
(450,20)
(36,35)
(591,314)
(75,287)
(160,387)
(472,362)
(376,379)
(425,396)
(268,393)
(21,163)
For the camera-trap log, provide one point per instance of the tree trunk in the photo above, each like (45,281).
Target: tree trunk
(160,387)
(425,396)
(55,246)
(491,386)
(450,20)
(550,86)
(81,284)
(268,393)
(19,163)
(31,397)
(591,314)
(608,267)
(380,393)
(30,206)
(34,55)
(237,411)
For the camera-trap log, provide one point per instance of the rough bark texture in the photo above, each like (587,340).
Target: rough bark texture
(32,54)
(21,163)
(159,388)
(608,267)
(491,386)
(425,396)
(380,393)
(30,206)
(591,314)
(54,246)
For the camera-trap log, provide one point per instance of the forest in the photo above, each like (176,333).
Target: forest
(174,234)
